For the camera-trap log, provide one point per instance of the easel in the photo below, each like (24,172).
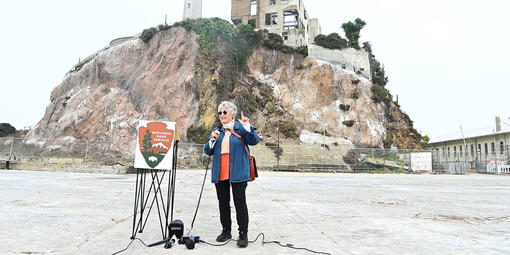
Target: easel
(155,193)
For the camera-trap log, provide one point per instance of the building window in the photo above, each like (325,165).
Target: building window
(252,23)
(236,21)
(272,2)
(448,151)
(493,148)
(271,18)
(460,151)
(501,148)
(285,35)
(290,19)
(472,151)
(253,8)
(486,149)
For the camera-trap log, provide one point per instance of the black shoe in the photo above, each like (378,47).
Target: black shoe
(224,236)
(242,242)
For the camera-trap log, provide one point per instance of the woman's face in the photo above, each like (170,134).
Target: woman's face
(225,118)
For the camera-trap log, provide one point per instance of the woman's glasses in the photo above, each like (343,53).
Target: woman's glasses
(224,112)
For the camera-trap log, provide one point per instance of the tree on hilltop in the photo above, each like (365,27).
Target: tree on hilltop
(352,31)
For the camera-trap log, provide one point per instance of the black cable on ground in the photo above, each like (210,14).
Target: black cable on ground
(221,244)
(130,245)
(288,245)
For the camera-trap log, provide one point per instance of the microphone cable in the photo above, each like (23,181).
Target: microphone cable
(287,245)
(130,245)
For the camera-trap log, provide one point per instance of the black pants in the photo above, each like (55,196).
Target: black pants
(239,194)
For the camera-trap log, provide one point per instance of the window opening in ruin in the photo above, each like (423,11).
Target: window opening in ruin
(290,19)
(272,2)
(253,8)
(237,21)
(285,36)
(271,18)
(252,23)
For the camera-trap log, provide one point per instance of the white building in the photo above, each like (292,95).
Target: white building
(192,9)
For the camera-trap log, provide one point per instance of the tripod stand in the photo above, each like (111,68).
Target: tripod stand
(154,194)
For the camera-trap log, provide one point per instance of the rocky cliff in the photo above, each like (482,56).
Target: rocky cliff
(169,77)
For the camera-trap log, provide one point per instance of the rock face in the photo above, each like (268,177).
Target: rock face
(169,78)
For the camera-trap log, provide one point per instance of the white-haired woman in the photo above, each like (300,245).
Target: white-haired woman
(231,168)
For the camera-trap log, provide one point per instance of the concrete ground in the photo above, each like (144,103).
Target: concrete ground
(69,213)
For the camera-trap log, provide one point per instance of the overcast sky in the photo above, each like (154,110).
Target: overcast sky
(446,60)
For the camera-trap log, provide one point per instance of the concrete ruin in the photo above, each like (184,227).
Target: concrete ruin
(287,18)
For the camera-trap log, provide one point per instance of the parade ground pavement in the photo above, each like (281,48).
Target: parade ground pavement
(74,213)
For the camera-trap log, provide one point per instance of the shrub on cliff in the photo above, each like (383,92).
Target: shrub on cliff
(379,93)
(199,133)
(331,41)
(288,129)
(376,69)
(147,34)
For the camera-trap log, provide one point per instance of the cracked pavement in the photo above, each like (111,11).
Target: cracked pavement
(73,213)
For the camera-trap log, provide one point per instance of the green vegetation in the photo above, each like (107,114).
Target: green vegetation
(275,42)
(352,31)
(345,107)
(288,129)
(6,129)
(348,123)
(407,119)
(379,93)
(198,134)
(147,34)
(388,141)
(425,140)
(331,41)
(376,69)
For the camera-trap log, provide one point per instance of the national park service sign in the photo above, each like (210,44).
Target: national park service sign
(154,148)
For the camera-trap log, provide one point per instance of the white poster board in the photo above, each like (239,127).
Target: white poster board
(154,147)
(421,161)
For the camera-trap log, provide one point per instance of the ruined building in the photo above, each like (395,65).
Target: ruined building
(192,9)
(287,18)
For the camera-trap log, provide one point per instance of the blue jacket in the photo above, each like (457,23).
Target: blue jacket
(239,161)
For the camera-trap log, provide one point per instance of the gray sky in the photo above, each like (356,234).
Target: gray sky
(446,60)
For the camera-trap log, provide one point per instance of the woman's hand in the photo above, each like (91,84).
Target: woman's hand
(214,135)
(244,120)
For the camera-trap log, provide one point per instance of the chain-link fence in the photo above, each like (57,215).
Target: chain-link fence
(316,158)
(470,161)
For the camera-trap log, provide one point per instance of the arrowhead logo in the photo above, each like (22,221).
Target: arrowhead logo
(154,141)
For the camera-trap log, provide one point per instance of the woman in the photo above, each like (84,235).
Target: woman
(231,167)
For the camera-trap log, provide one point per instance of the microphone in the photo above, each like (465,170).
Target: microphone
(218,127)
